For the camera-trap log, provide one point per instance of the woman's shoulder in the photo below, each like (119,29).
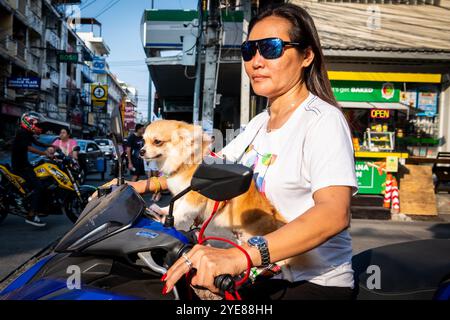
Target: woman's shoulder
(319,107)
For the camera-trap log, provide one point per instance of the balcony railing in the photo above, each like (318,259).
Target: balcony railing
(13,3)
(22,4)
(52,38)
(11,44)
(34,20)
(54,76)
(21,51)
(33,61)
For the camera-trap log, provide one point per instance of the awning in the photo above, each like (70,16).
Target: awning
(54,122)
(372,105)
(375,105)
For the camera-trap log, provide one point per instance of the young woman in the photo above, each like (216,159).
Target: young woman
(66,144)
(301,152)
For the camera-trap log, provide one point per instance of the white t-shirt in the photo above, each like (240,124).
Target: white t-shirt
(312,150)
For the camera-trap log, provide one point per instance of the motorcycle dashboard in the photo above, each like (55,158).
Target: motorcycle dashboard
(103,217)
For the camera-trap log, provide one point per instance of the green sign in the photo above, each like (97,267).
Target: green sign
(366,91)
(67,57)
(370,176)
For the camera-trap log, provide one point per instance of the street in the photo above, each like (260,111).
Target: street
(19,241)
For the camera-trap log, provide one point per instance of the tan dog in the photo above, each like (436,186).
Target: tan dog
(178,149)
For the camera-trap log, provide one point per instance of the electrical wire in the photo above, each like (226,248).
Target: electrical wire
(112,4)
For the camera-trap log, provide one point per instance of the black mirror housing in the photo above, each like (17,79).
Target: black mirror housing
(221,181)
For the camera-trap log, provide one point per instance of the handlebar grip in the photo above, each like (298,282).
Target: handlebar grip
(224,282)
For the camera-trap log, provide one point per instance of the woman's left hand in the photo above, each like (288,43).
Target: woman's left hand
(209,262)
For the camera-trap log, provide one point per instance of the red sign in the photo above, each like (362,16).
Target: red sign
(379,114)
(11,110)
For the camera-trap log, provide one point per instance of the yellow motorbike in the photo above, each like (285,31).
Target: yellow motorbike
(62,192)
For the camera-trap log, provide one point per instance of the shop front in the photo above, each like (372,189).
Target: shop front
(390,122)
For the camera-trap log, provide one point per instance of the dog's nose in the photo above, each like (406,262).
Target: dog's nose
(142,152)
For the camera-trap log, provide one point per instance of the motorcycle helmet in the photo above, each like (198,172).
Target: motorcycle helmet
(31,121)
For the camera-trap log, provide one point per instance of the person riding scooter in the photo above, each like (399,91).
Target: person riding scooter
(30,125)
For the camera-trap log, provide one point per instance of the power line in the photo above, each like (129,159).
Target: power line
(109,7)
(87,4)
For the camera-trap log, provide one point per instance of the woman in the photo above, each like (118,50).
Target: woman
(66,144)
(301,153)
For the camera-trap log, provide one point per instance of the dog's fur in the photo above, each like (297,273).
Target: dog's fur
(178,149)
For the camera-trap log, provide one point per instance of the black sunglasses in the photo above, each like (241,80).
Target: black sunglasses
(269,48)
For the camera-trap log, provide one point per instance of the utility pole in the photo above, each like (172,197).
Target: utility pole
(198,65)
(211,65)
(149,103)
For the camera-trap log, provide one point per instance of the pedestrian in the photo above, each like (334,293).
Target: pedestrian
(300,150)
(135,142)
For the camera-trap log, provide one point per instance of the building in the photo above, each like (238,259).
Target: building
(402,43)
(130,114)
(42,65)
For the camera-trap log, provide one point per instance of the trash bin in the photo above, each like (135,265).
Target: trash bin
(101,166)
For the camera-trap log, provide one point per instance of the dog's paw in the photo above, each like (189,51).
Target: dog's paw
(157,209)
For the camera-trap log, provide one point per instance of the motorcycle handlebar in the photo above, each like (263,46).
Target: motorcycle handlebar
(223,282)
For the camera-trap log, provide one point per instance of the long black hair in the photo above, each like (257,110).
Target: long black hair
(304,31)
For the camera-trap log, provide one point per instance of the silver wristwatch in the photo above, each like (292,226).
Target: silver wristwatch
(260,243)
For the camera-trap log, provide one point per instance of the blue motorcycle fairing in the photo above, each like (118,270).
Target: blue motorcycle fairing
(56,289)
(26,276)
(147,223)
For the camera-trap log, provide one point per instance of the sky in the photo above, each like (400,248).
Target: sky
(121,32)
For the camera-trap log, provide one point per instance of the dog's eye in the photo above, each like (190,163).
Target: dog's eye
(158,142)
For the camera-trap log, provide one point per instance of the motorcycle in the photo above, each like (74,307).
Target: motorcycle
(118,250)
(62,192)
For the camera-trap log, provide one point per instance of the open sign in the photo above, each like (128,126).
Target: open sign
(379,114)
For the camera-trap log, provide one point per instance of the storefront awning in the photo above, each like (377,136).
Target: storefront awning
(373,105)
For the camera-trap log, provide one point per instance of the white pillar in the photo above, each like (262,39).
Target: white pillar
(444,119)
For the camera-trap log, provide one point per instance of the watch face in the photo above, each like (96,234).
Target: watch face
(256,241)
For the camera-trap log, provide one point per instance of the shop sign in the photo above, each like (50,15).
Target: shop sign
(99,92)
(409,98)
(98,65)
(67,57)
(427,103)
(392,164)
(379,114)
(371,176)
(365,91)
(99,106)
(24,83)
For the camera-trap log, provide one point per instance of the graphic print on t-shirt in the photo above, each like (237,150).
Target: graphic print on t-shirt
(259,163)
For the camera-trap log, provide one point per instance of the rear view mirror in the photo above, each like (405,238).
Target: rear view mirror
(116,126)
(221,182)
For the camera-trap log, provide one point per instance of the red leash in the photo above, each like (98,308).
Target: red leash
(201,240)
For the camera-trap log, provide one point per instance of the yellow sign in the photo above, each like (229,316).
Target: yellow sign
(99,92)
(391,164)
(379,114)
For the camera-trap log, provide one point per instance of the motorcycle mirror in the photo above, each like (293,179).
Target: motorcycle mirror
(117,137)
(221,181)
(116,126)
(216,180)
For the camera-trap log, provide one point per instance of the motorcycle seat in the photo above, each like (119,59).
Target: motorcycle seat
(409,270)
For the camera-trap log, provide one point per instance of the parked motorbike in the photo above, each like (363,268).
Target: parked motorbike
(62,191)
